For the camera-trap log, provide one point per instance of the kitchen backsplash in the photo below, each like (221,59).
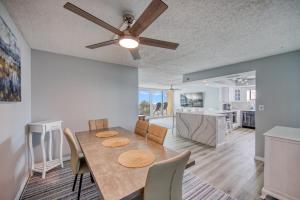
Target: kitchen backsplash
(242,105)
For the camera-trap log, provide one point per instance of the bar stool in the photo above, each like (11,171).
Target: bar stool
(228,125)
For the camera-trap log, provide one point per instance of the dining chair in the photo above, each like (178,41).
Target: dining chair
(78,163)
(157,133)
(165,108)
(98,124)
(164,179)
(157,109)
(141,127)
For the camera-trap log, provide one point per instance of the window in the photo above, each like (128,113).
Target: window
(144,102)
(165,103)
(251,95)
(153,103)
(237,95)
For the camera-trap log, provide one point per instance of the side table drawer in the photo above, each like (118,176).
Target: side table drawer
(53,126)
(35,129)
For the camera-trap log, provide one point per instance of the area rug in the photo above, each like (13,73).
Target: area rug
(58,185)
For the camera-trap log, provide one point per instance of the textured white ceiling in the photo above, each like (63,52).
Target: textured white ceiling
(211,33)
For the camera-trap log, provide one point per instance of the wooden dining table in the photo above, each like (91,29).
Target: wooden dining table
(113,180)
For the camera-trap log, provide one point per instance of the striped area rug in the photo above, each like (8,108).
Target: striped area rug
(58,185)
(194,188)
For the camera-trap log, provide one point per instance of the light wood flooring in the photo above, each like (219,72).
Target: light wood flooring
(231,167)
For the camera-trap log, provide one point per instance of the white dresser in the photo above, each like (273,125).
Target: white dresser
(282,163)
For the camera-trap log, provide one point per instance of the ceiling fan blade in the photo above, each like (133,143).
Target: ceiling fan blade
(173,89)
(153,11)
(71,7)
(158,43)
(102,44)
(135,54)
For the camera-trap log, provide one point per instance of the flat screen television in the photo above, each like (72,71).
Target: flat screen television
(192,99)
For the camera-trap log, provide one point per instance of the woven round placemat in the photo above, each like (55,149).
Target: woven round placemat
(105,134)
(116,142)
(136,158)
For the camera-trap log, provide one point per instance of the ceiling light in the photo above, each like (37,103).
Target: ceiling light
(129,42)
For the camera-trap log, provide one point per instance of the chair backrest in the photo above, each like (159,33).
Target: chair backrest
(164,179)
(98,124)
(158,106)
(157,133)
(141,127)
(75,162)
(165,106)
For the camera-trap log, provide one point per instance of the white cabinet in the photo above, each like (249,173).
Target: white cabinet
(225,95)
(232,94)
(282,163)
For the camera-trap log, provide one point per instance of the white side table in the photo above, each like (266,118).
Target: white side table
(42,128)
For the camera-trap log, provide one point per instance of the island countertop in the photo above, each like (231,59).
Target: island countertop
(204,127)
(207,113)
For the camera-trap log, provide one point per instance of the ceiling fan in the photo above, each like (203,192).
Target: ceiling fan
(173,89)
(130,37)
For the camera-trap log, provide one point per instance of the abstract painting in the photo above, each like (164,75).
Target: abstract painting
(10,65)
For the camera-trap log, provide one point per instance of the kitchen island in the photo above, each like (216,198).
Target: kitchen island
(204,127)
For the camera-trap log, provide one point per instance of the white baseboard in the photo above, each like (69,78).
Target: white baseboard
(262,159)
(220,144)
(22,186)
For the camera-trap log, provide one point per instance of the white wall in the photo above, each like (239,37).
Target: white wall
(75,90)
(13,120)
(211,97)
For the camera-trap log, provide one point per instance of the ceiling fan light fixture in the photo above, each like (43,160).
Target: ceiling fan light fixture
(129,42)
(130,37)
